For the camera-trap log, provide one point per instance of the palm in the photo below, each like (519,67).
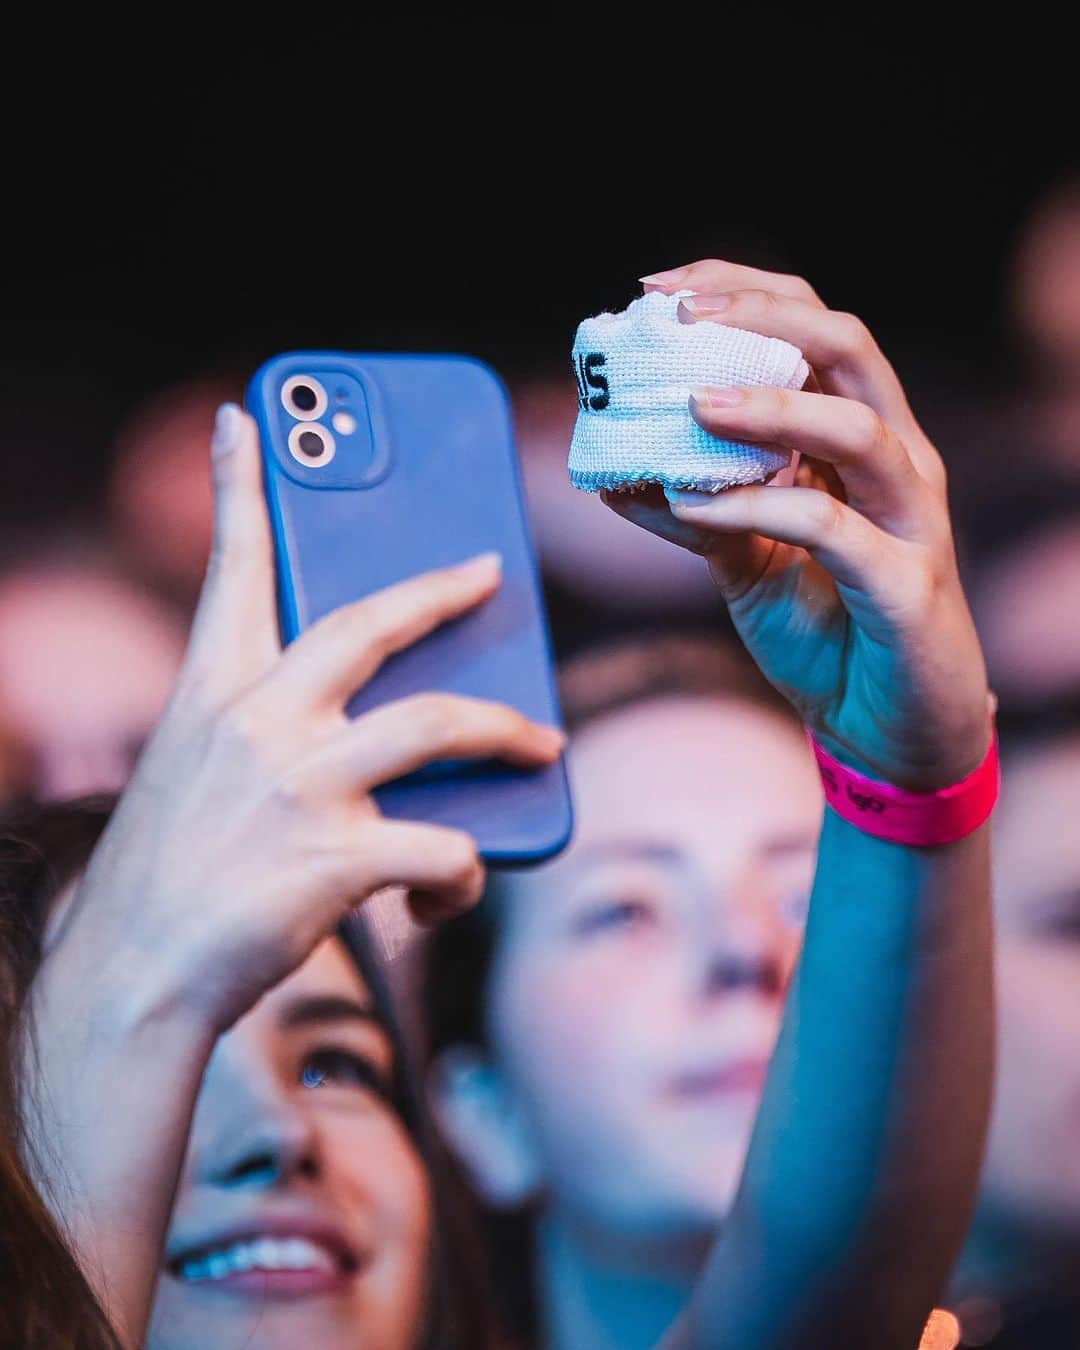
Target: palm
(830,650)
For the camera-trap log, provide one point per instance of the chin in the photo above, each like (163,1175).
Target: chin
(693,1201)
(328,1323)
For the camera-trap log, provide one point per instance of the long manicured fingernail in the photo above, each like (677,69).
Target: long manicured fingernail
(705,397)
(669,278)
(227,425)
(683,497)
(704,306)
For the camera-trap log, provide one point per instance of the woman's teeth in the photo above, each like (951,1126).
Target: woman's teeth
(266,1253)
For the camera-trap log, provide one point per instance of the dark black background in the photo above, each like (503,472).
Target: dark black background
(190,204)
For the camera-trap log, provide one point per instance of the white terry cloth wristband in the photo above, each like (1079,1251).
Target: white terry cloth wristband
(635,371)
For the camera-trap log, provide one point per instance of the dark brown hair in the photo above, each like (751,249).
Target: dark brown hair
(45,1300)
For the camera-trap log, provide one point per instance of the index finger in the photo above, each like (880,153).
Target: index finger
(342,651)
(714,274)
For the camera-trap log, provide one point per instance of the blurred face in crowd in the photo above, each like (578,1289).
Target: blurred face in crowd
(159,486)
(303,1217)
(1032,1172)
(638,980)
(1021,603)
(86,665)
(1047,305)
(594,554)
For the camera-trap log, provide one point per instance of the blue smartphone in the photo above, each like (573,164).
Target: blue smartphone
(377,467)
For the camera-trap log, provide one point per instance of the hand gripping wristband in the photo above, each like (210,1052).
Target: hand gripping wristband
(917,819)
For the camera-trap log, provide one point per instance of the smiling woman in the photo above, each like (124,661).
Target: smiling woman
(310,1204)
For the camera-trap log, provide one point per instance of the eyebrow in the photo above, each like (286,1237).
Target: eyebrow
(781,844)
(605,850)
(329,1008)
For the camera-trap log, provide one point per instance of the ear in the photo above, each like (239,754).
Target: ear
(482,1121)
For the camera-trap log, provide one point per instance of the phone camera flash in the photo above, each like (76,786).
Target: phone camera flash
(343,423)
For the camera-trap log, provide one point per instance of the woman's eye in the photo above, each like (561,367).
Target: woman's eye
(794,906)
(330,1067)
(1064,925)
(615,916)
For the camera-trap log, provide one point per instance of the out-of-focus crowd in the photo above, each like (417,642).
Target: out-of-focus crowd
(93,623)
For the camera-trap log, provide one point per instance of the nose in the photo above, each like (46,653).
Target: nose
(729,971)
(272,1145)
(748,948)
(270,1151)
(257,1131)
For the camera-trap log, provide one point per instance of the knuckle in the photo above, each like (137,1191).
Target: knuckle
(288,791)
(438,717)
(367,625)
(828,512)
(800,286)
(235,726)
(867,428)
(461,860)
(924,580)
(776,407)
(852,335)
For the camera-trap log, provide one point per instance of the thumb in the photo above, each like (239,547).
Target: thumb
(235,626)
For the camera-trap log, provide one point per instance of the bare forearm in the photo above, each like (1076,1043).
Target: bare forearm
(110,1082)
(863,1167)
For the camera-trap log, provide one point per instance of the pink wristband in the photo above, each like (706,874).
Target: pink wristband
(919,819)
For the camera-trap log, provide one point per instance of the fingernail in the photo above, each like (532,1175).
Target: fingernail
(682,497)
(227,425)
(483,562)
(669,278)
(702,396)
(702,306)
(556,736)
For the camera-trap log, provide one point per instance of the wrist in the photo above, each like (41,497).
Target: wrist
(918,819)
(920,761)
(120,995)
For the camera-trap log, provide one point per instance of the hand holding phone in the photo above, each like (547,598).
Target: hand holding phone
(380,467)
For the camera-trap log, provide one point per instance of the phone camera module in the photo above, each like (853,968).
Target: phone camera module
(312,446)
(303,397)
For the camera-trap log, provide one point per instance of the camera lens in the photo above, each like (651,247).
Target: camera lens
(311,445)
(303,397)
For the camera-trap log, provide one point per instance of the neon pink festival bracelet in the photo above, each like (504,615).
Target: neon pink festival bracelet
(918,819)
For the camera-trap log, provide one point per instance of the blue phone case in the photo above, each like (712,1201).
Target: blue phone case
(428,477)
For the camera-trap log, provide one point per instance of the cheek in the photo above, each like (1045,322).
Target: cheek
(577,1026)
(1036,1125)
(378,1171)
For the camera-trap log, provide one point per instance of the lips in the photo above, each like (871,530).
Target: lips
(737,1076)
(280,1257)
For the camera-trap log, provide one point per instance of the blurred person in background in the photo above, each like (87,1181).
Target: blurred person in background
(600,1027)
(158,486)
(1017,1285)
(1024,580)
(1014,445)
(600,574)
(87,659)
(1046,306)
